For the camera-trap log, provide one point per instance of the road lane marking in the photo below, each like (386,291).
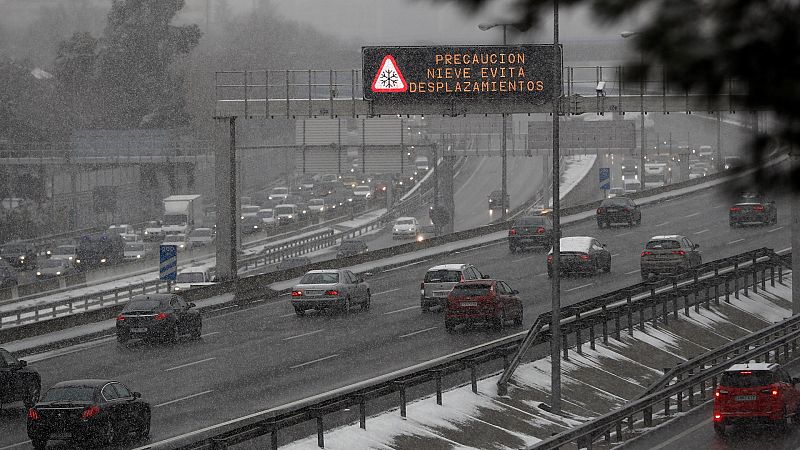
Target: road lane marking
(303,335)
(386,292)
(540,274)
(662,224)
(183,398)
(774,229)
(190,364)
(633,272)
(288,315)
(783,250)
(297,366)
(718,206)
(404,266)
(578,287)
(735,242)
(18,444)
(692,215)
(223,308)
(210,334)
(701,231)
(615,254)
(401,310)
(623,234)
(680,435)
(418,332)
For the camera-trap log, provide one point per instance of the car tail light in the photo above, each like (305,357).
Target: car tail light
(585,257)
(758,208)
(540,230)
(773,392)
(90,412)
(549,258)
(646,253)
(735,209)
(297,293)
(332,292)
(745,372)
(161,316)
(33,414)
(717,417)
(512,232)
(601,210)
(679,252)
(120,318)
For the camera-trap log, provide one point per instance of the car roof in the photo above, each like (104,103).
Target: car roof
(480,281)
(324,271)
(89,382)
(575,243)
(752,366)
(405,218)
(663,237)
(448,267)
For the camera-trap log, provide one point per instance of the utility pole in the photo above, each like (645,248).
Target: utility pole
(555,322)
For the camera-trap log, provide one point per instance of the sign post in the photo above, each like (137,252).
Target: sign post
(605,180)
(168,264)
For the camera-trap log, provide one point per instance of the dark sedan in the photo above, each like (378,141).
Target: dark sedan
(618,210)
(581,254)
(18,382)
(97,413)
(530,231)
(753,209)
(159,317)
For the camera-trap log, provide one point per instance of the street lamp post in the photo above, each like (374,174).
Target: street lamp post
(627,34)
(555,286)
(504,187)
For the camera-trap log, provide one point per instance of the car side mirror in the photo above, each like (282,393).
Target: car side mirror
(514,291)
(192,305)
(137,395)
(696,246)
(485,277)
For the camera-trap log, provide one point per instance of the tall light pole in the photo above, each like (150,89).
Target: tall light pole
(627,34)
(555,318)
(504,188)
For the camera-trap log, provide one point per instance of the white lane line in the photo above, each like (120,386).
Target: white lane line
(490,244)
(386,292)
(224,308)
(784,250)
(303,335)
(418,332)
(718,206)
(288,315)
(774,229)
(579,287)
(190,364)
(401,310)
(615,254)
(541,274)
(701,231)
(680,435)
(314,361)
(18,444)
(623,234)
(633,272)
(662,224)
(183,398)
(692,215)
(735,242)
(210,334)
(404,266)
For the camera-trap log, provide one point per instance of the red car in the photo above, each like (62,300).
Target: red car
(491,301)
(755,392)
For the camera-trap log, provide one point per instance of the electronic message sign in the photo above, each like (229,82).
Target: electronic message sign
(521,73)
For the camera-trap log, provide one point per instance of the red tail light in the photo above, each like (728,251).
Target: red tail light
(332,292)
(585,257)
(758,208)
(297,293)
(717,417)
(462,278)
(33,414)
(549,258)
(679,252)
(120,318)
(161,316)
(512,232)
(540,230)
(735,209)
(90,412)
(601,210)
(645,253)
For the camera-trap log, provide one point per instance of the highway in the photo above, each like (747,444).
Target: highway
(265,356)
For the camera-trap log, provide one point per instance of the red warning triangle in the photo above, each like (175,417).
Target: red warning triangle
(389,78)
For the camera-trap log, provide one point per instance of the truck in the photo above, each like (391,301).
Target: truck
(182,213)
(656,175)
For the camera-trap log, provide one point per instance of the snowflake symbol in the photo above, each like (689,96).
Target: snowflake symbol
(389,78)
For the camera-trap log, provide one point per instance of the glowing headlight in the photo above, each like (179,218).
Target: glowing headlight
(103,260)
(70,258)
(48,253)
(39,274)
(22,257)
(255,226)
(146,232)
(78,261)
(290,216)
(58,273)
(420,238)
(138,256)
(182,245)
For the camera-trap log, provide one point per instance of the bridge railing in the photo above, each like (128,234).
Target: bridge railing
(644,298)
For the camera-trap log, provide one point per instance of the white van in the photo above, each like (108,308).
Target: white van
(286,213)
(421,163)
(194,277)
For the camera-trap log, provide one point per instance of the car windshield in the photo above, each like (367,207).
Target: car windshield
(64,250)
(53,263)
(69,394)
(134,246)
(405,222)
(142,305)
(663,244)
(531,222)
(746,378)
(470,290)
(190,277)
(320,278)
(442,276)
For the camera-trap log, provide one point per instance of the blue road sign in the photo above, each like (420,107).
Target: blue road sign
(168,262)
(605,178)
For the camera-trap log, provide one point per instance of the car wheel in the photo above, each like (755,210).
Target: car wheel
(549,273)
(630,221)
(144,430)
(39,444)
(32,395)
(198,331)
(174,335)
(365,305)
(424,307)
(732,224)
(449,325)
(785,421)
(299,311)
(719,428)
(346,306)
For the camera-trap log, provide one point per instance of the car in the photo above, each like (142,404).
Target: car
(129,237)
(530,232)
(668,254)
(316,205)
(495,199)
(440,279)
(52,268)
(580,254)
(7,277)
(732,162)
(330,289)
(618,210)
(267,216)
(135,251)
(68,252)
(18,381)
(363,192)
(755,393)
(485,300)
(630,169)
(152,231)
(249,210)
(405,227)
(631,186)
(616,191)
(752,209)
(705,152)
(179,240)
(278,193)
(291,263)
(251,224)
(95,413)
(200,237)
(307,181)
(120,229)
(351,247)
(194,277)
(19,254)
(165,317)
(421,163)
(286,213)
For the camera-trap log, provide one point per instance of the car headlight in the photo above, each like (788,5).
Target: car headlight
(146,232)
(103,260)
(77,261)
(48,253)
(22,257)
(138,256)
(58,272)
(182,245)
(420,238)
(290,216)
(38,273)
(70,258)
(255,226)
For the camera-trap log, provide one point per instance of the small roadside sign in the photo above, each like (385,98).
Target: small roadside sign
(168,262)
(389,78)
(605,178)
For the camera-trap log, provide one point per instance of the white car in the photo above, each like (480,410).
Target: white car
(267,216)
(405,227)
(279,193)
(66,251)
(135,251)
(180,240)
(316,205)
(362,191)
(194,277)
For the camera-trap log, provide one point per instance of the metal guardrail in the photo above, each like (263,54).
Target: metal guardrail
(586,315)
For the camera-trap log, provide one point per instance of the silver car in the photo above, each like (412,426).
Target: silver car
(322,289)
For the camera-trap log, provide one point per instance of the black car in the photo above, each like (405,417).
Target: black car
(158,317)
(495,198)
(618,210)
(530,231)
(7,277)
(18,382)
(581,254)
(19,254)
(97,413)
(753,209)
(351,247)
